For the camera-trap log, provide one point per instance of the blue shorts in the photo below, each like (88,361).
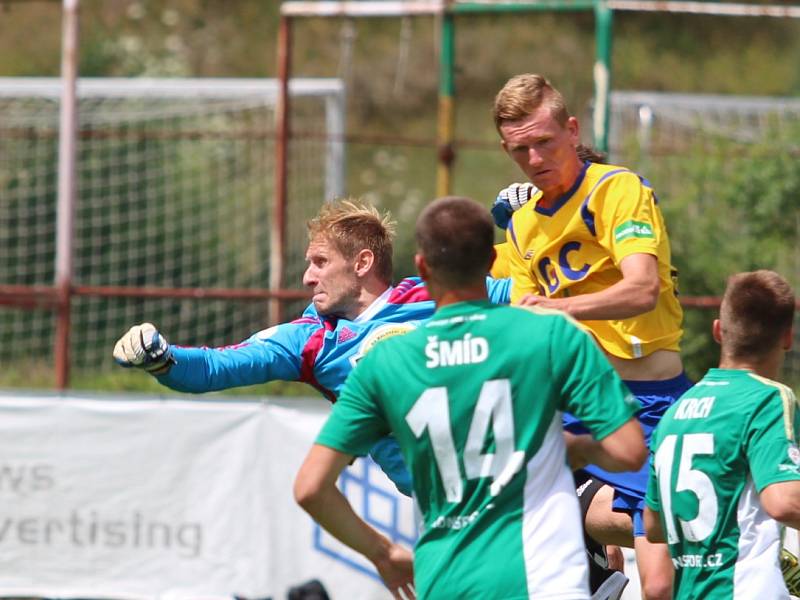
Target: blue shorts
(630,487)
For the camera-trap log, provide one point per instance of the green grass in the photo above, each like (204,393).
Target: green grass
(40,375)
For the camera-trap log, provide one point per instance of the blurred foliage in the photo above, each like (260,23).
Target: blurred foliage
(729,207)
(206,38)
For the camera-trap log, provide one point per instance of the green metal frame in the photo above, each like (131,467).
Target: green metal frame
(446,10)
(447,58)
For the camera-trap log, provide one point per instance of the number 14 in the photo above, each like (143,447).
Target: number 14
(431,412)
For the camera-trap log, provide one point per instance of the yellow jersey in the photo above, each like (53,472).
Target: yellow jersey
(576,247)
(501,269)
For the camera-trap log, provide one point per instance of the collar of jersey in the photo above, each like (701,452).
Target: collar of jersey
(460,307)
(718,373)
(375,307)
(563,199)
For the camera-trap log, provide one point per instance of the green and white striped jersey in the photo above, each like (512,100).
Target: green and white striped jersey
(474,397)
(714,451)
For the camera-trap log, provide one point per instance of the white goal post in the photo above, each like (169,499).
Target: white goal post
(174,181)
(330,91)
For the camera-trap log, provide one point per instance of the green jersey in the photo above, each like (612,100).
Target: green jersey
(714,451)
(474,398)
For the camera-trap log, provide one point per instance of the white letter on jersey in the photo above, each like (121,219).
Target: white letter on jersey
(466,351)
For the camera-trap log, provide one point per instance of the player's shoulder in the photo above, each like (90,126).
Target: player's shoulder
(410,290)
(532,324)
(539,314)
(612,177)
(597,171)
(381,349)
(739,394)
(773,392)
(303,326)
(739,383)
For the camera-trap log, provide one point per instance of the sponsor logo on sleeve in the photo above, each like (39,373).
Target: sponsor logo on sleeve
(633,229)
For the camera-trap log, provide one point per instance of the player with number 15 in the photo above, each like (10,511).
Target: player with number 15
(725,456)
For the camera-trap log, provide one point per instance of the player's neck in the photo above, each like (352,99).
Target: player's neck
(370,292)
(444,297)
(572,172)
(768,366)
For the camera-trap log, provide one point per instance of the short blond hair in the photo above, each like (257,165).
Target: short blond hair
(351,226)
(524,94)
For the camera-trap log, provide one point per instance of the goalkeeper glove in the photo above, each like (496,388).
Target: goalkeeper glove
(511,199)
(144,347)
(791,572)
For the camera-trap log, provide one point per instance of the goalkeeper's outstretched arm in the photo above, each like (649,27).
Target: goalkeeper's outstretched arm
(269,355)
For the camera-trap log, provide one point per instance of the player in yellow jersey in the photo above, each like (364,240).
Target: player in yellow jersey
(592,242)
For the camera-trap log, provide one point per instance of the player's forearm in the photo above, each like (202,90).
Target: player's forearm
(316,492)
(199,370)
(328,507)
(623,300)
(622,450)
(584,450)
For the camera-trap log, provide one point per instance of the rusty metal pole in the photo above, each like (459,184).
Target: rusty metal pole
(66,188)
(278,233)
(447,99)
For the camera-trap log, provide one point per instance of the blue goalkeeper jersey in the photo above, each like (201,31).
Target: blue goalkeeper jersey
(317,350)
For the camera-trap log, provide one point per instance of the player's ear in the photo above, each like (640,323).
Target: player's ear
(574,129)
(422,266)
(788,338)
(364,261)
(716,331)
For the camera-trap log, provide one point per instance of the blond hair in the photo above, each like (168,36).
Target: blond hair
(351,226)
(524,94)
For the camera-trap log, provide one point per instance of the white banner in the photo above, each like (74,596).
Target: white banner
(154,498)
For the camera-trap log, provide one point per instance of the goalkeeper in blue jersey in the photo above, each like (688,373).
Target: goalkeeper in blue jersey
(353,307)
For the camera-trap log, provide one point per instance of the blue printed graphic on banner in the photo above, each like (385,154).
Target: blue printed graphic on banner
(377,501)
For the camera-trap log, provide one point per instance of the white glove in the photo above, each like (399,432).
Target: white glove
(509,200)
(518,194)
(143,347)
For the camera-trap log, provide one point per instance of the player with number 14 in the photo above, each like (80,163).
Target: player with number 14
(474,397)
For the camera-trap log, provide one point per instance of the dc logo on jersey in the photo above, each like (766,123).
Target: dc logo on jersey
(549,270)
(379,334)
